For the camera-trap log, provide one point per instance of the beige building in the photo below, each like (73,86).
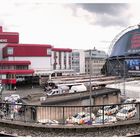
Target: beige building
(94,60)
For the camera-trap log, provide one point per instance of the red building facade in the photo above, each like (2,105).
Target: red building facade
(29,59)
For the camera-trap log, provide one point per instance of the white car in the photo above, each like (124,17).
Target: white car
(54,92)
(80,118)
(48,122)
(12,98)
(126,113)
(108,110)
(137,100)
(107,120)
(129,100)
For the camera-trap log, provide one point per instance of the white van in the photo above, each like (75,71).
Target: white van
(78,88)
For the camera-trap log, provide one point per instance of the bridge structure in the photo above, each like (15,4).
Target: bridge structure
(129,128)
(29,126)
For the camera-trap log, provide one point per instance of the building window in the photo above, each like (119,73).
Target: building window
(21,67)
(9,50)
(49,51)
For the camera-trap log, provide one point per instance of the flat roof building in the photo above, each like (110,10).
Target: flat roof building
(44,59)
(97,58)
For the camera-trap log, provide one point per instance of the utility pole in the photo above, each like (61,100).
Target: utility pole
(90,90)
(124,75)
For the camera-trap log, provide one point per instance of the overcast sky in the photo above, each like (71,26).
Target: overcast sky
(68,25)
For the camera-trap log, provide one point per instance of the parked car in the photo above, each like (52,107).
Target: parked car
(78,88)
(126,113)
(129,100)
(55,92)
(48,122)
(80,118)
(13,97)
(137,100)
(107,120)
(108,110)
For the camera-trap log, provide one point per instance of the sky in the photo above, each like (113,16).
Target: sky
(80,25)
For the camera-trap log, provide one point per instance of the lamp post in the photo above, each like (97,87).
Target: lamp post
(90,64)
(124,75)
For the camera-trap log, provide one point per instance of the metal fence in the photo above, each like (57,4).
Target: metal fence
(70,115)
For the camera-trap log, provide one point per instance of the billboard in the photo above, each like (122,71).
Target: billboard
(133,64)
(129,43)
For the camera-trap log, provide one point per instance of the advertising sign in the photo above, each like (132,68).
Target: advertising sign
(3,40)
(127,44)
(133,64)
(9,38)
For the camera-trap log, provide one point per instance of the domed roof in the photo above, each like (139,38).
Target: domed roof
(128,43)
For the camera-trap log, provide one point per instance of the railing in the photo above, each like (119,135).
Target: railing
(70,115)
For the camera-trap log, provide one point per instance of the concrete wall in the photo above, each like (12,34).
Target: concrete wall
(56,113)
(30,129)
(61,113)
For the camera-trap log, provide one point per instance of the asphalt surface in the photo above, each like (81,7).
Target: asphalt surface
(22,91)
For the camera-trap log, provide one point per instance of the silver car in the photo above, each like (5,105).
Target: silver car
(126,113)
(108,110)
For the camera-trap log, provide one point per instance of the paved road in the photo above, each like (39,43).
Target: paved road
(24,91)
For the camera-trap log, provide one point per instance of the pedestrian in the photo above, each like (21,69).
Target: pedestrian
(12,114)
(15,88)
(33,113)
(1,114)
(7,107)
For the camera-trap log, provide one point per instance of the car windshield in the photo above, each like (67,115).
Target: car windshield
(50,92)
(127,101)
(106,107)
(109,118)
(77,116)
(99,120)
(123,111)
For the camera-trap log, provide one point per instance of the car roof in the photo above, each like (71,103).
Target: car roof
(14,95)
(127,107)
(130,99)
(81,113)
(100,117)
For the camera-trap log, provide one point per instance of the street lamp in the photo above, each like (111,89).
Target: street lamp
(124,75)
(90,64)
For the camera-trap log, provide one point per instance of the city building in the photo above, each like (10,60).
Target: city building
(26,61)
(124,57)
(78,61)
(94,61)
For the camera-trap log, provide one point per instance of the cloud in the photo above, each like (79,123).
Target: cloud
(68,25)
(104,8)
(105,14)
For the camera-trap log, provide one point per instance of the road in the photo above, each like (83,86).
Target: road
(22,92)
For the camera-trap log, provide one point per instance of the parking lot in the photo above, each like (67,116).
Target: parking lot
(22,91)
(28,90)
